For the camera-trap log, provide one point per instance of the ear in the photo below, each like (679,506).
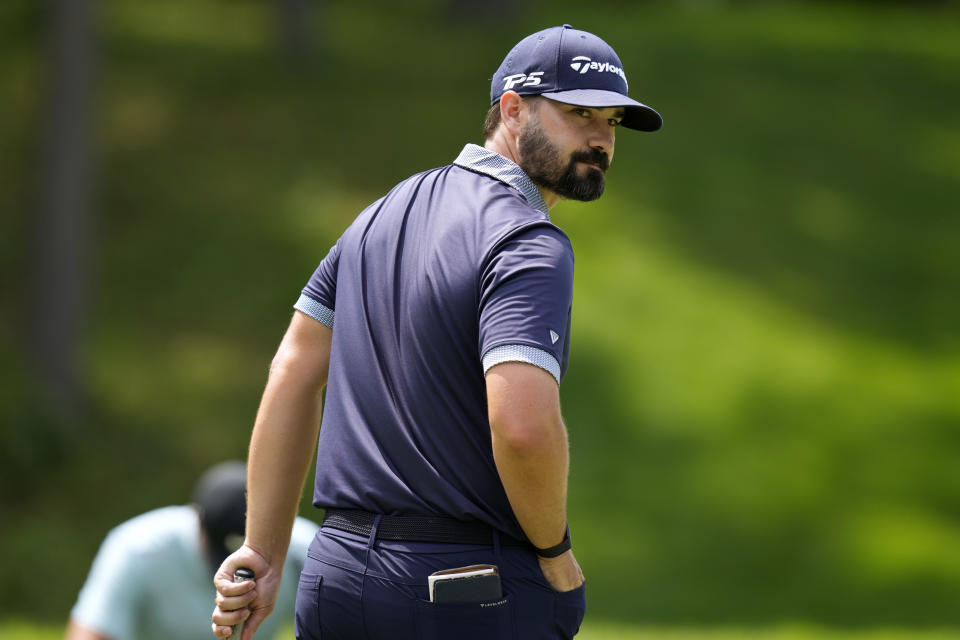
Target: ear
(513,112)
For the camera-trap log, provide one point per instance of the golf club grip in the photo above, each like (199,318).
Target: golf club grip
(240,575)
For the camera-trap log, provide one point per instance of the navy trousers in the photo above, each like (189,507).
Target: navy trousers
(358,588)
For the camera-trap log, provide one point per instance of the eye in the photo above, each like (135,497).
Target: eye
(614,122)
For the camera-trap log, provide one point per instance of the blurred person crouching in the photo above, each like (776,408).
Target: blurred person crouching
(153,575)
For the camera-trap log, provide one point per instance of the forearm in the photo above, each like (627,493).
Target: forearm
(534,475)
(281,448)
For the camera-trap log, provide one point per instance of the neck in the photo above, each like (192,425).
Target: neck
(507,145)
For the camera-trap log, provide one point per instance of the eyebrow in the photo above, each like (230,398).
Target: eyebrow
(619,113)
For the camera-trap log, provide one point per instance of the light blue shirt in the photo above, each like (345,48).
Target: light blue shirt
(151,580)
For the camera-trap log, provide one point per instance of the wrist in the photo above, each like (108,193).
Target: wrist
(556,550)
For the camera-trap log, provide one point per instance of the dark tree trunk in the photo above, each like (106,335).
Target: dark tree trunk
(62,218)
(294,27)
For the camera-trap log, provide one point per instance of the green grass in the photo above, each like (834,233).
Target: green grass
(601,631)
(604,631)
(28,631)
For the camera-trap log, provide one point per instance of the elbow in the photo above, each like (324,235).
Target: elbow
(523,407)
(526,436)
(290,365)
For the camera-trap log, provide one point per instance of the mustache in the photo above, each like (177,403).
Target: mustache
(594,156)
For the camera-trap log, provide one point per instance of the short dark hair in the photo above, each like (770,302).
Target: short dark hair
(492,120)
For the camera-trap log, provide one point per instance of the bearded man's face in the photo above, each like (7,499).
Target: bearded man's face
(577,175)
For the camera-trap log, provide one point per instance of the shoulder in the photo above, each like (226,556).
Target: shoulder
(534,243)
(405,188)
(503,213)
(155,530)
(398,197)
(491,191)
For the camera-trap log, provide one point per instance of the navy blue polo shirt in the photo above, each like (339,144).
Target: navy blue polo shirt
(455,270)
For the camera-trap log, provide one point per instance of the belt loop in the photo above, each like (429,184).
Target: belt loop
(496,543)
(373,531)
(371,541)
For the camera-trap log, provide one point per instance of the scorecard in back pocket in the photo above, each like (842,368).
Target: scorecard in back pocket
(475,583)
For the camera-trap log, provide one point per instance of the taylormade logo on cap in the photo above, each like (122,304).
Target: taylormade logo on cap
(574,67)
(583,64)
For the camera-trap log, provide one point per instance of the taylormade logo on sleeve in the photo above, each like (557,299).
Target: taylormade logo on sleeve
(583,64)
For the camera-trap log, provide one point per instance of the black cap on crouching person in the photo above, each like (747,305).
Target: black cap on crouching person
(574,67)
(220,498)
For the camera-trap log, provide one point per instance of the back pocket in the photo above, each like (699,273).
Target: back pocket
(465,621)
(306,619)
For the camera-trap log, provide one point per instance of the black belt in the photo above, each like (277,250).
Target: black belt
(416,528)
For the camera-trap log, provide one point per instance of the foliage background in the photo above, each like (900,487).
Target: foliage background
(763,398)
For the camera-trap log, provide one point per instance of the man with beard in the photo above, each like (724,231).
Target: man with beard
(440,324)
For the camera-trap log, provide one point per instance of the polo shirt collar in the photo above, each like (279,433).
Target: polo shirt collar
(481,160)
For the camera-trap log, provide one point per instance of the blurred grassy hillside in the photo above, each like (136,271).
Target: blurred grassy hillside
(764,392)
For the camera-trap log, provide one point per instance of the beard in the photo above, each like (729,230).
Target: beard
(543,162)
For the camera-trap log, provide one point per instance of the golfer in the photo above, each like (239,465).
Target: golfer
(152,578)
(439,324)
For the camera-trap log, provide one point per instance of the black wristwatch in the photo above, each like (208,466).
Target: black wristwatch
(557,549)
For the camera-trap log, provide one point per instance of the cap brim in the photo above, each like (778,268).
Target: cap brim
(636,115)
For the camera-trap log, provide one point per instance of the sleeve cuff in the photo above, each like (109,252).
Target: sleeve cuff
(522,353)
(319,312)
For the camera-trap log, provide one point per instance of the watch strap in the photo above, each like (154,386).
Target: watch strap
(557,549)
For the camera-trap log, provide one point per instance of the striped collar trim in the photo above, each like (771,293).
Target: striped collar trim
(481,160)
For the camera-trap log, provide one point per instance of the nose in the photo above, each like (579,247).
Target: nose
(602,138)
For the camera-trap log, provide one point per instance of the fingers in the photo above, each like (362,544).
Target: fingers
(243,557)
(230,603)
(253,623)
(235,595)
(229,617)
(250,600)
(231,609)
(224,621)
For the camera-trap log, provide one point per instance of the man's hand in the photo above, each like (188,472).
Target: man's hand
(250,600)
(563,572)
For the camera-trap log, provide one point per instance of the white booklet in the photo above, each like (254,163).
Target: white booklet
(475,583)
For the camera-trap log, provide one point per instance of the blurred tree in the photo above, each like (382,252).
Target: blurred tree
(487,9)
(294,20)
(61,234)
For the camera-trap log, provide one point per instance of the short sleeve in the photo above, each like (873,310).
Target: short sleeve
(525,300)
(109,600)
(318,298)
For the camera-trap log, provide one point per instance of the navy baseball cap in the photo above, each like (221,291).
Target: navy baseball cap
(574,67)
(220,497)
